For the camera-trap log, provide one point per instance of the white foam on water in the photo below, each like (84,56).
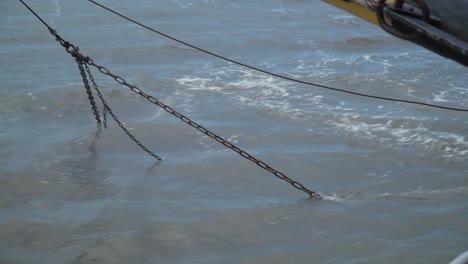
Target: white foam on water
(32,96)
(344,19)
(417,194)
(410,131)
(56,13)
(203,84)
(183,4)
(221,80)
(58,9)
(234,138)
(449,94)
(188,4)
(286,99)
(333,197)
(422,193)
(284,11)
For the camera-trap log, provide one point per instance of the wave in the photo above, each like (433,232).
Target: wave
(417,194)
(346,116)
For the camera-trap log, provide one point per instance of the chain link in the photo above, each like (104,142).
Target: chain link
(88,91)
(107,109)
(204,130)
(104,115)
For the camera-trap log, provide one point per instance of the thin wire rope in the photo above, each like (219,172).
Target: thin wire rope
(36,15)
(275,74)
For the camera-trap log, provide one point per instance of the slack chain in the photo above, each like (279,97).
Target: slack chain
(204,130)
(88,91)
(80,60)
(107,109)
(83,60)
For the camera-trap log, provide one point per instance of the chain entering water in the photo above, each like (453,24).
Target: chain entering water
(88,91)
(83,63)
(107,109)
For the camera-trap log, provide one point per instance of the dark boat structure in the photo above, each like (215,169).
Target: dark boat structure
(437,25)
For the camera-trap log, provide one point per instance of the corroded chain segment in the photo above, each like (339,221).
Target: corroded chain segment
(205,131)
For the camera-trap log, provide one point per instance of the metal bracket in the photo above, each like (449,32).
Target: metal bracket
(411,11)
(432,37)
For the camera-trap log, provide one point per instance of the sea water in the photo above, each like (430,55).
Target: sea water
(394,176)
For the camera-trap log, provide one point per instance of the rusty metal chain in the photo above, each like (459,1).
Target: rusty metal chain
(88,91)
(204,130)
(109,110)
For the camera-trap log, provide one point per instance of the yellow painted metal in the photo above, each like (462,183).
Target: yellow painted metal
(355,9)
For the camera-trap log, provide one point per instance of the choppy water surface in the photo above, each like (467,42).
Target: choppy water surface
(394,175)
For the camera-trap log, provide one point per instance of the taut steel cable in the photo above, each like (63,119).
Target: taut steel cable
(275,74)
